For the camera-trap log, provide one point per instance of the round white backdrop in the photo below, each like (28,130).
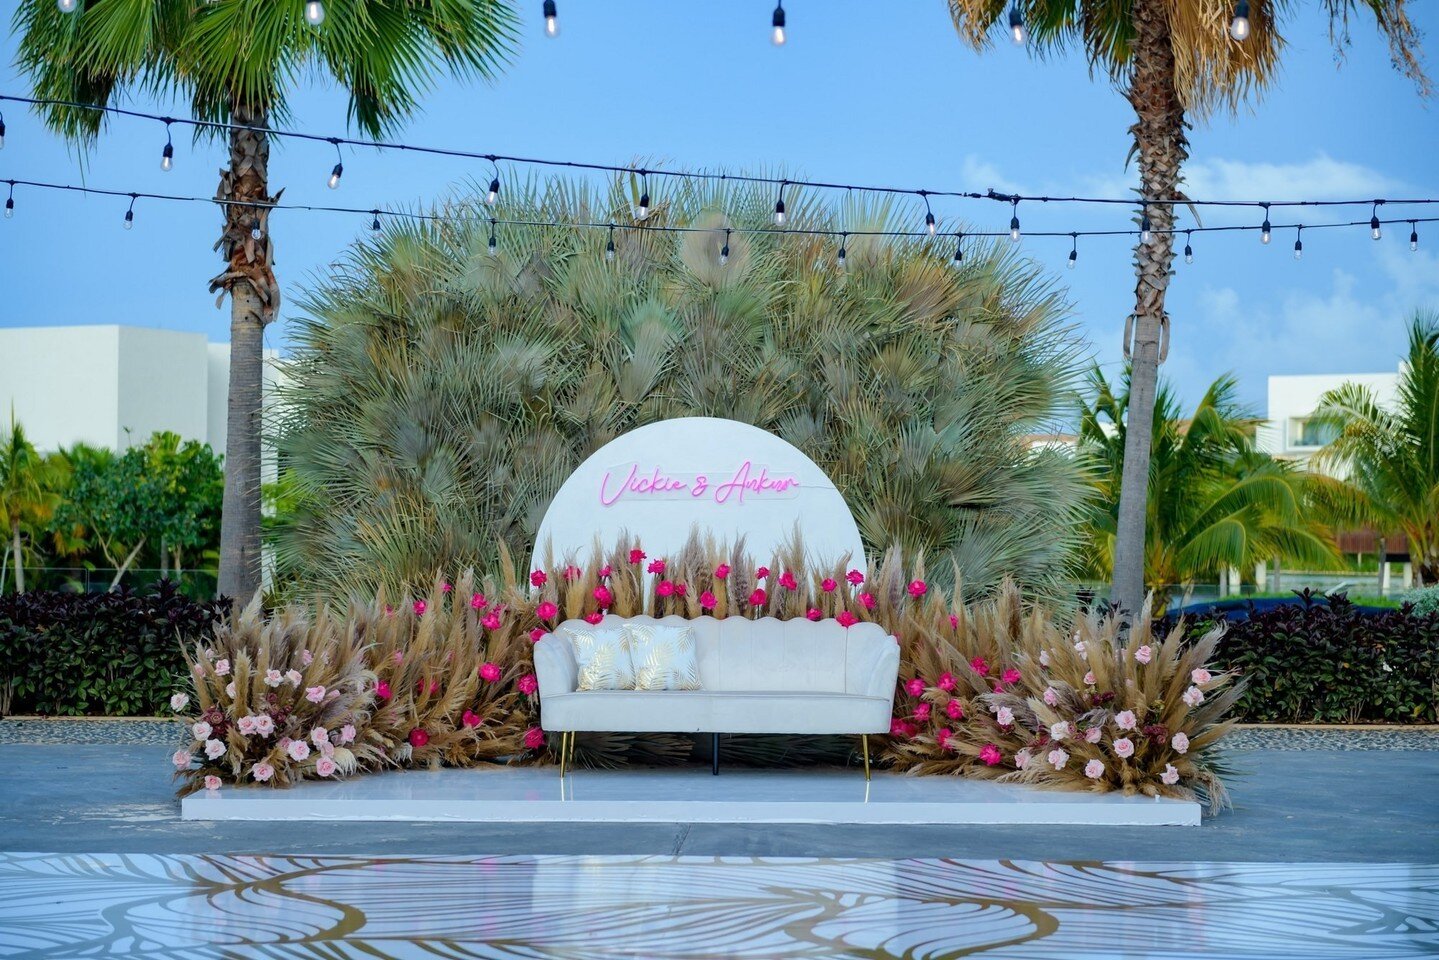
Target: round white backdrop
(728,478)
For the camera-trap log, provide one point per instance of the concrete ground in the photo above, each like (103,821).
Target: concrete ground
(1305,805)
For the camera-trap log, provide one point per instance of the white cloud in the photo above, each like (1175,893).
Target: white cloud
(978,174)
(1319,178)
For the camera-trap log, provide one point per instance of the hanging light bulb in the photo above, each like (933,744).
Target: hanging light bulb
(1239,23)
(314,13)
(130,214)
(256,233)
(552,20)
(67,6)
(1374,231)
(493,193)
(929,223)
(167,153)
(1144,232)
(779,207)
(1016,25)
(1265,231)
(644,207)
(777,36)
(1299,242)
(10,202)
(1413,235)
(1073,251)
(1014,221)
(839,260)
(375,223)
(2,131)
(335,174)
(1188,250)
(610,246)
(958,249)
(724,250)
(494,244)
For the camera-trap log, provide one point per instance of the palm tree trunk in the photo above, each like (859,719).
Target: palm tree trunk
(1162,149)
(19,558)
(254,297)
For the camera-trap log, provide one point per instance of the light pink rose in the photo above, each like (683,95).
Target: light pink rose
(315,694)
(1094,769)
(1022,758)
(1201,676)
(1124,748)
(1180,742)
(181,759)
(1080,647)
(1051,696)
(1089,678)
(319,735)
(201,730)
(222,668)
(306,657)
(1058,758)
(214,749)
(325,766)
(327,749)
(294,677)
(1093,734)
(1060,730)
(212,782)
(347,733)
(179,702)
(1004,717)
(264,724)
(1125,719)
(230,689)
(1170,775)
(1044,658)
(1193,696)
(1144,654)
(298,750)
(273,678)
(262,771)
(246,725)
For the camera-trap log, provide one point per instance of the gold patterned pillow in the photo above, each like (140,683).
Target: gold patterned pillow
(664,657)
(603,657)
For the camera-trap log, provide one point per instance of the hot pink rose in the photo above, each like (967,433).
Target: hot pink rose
(708,601)
(788,581)
(212,782)
(846,619)
(419,737)
(1010,677)
(478,601)
(471,719)
(528,684)
(536,635)
(573,572)
(489,672)
(954,709)
(813,613)
(382,691)
(534,738)
(637,555)
(915,687)
(325,767)
(539,578)
(828,585)
(603,597)
(943,738)
(953,621)
(761,573)
(898,728)
(262,771)
(491,620)
(420,608)
(854,577)
(990,755)
(1124,748)
(921,712)
(758,598)
(867,600)
(605,571)
(917,588)
(595,618)
(656,566)
(722,571)
(979,665)
(447,587)
(946,681)
(681,590)
(547,611)
(664,588)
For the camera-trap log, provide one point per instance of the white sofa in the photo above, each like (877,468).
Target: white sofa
(756,676)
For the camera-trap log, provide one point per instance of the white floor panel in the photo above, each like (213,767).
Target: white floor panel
(684,795)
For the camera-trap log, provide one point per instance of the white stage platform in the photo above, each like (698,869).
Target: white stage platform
(681,795)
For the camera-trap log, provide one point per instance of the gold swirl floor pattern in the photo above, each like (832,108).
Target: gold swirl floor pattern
(605,908)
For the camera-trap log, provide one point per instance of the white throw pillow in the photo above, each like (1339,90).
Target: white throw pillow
(603,657)
(664,657)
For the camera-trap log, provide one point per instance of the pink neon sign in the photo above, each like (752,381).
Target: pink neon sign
(629,482)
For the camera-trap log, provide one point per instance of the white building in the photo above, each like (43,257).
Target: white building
(113,386)
(1291,431)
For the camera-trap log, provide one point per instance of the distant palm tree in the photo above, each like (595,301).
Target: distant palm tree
(1214,500)
(1173,60)
(1389,459)
(235,60)
(26,498)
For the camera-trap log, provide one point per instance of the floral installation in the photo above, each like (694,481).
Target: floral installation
(999,689)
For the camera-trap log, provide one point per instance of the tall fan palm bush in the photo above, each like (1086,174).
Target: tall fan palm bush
(441,394)
(1389,458)
(1174,61)
(235,60)
(1214,500)
(27,497)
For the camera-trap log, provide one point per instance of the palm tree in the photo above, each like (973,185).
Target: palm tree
(1214,501)
(234,60)
(25,495)
(1388,460)
(1174,60)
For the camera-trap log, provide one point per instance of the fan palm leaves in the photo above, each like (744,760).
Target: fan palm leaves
(440,394)
(1389,458)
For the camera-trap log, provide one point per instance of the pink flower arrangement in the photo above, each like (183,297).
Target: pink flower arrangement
(758,598)
(637,555)
(1094,769)
(212,782)
(788,581)
(854,577)
(1180,742)
(596,618)
(537,634)
(656,566)
(539,578)
(489,672)
(420,608)
(470,719)
(708,601)
(954,709)
(846,619)
(990,755)
(946,681)
(419,737)
(761,573)
(979,665)
(478,602)
(917,588)
(325,767)
(547,611)
(1170,776)
(867,600)
(491,620)
(262,772)
(1144,654)
(665,588)
(722,571)
(315,694)
(915,687)
(1124,748)
(382,690)
(813,613)
(528,684)
(603,597)
(828,585)
(534,738)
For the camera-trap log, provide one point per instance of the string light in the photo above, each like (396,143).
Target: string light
(256,232)
(10,202)
(1144,231)
(339,169)
(1014,221)
(777,36)
(1374,231)
(779,207)
(67,6)
(1188,250)
(375,223)
(167,153)
(958,249)
(1016,25)
(644,209)
(2,131)
(552,19)
(1266,231)
(1413,236)
(494,245)
(1239,23)
(724,250)
(493,193)
(839,260)
(1299,242)
(610,245)
(314,13)
(1073,250)
(130,213)
(929,224)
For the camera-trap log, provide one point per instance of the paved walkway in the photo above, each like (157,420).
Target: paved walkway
(1309,805)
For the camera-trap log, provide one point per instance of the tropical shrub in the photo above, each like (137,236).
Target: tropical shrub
(1424,602)
(992,689)
(1326,662)
(116,654)
(439,394)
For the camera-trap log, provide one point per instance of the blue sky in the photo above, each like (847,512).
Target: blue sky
(853,97)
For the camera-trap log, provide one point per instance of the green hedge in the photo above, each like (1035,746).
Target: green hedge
(114,654)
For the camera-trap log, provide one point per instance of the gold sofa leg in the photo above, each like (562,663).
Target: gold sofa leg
(864,747)
(565,736)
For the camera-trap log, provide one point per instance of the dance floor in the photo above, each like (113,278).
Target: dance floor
(605,908)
